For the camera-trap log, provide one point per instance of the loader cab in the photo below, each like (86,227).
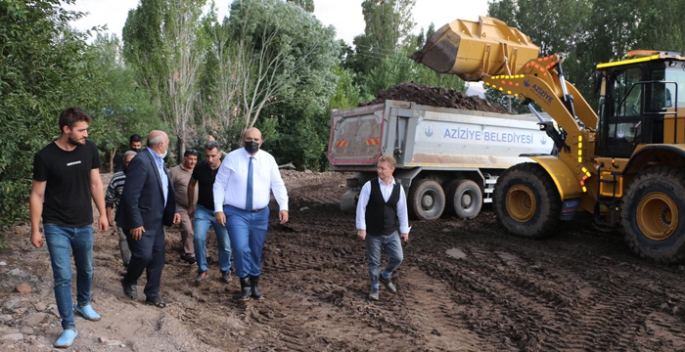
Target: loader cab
(638,103)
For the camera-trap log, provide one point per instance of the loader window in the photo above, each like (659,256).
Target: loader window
(626,93)
(623,125)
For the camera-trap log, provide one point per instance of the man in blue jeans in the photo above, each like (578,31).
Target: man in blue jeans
(242,191)
(66,176)
(204,175)
(381,209)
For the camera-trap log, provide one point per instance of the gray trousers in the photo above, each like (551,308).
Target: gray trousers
(123,247)
(393,249)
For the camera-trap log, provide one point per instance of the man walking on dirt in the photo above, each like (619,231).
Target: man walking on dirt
(146,206)
(66,176)
(241,201)
(203,177)
(382,206)
(180,177)
(112,197)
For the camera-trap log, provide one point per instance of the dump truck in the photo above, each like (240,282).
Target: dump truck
(446,158)
(623,161)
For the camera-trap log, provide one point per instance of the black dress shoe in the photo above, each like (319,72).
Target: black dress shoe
(129,290)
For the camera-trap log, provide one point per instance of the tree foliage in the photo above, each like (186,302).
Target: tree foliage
(163,41)
(45,66)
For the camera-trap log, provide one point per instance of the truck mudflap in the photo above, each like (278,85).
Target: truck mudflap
(568,209)
(563,177)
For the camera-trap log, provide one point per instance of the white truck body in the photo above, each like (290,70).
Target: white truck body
(439,145)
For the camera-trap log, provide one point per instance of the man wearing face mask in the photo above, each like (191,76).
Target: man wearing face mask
(147,204)
(242,190)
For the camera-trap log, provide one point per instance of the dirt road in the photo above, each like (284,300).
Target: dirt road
(464,286)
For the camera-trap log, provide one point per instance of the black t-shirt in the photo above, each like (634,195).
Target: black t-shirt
(204,175)
(67,190)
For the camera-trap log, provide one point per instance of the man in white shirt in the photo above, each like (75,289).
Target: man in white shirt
(381,208)
(242,190)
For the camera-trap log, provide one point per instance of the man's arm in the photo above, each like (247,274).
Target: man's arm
(36,211)
(191,197)
(402,215)
(360,219)
(135,181)
(280,192)
(98,194)
(218,190)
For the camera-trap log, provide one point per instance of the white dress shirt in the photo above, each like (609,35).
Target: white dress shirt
(386,190)
(230,185)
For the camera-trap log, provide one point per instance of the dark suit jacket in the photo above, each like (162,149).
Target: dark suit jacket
(142,202)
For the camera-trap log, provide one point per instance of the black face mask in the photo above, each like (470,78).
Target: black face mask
(251,147)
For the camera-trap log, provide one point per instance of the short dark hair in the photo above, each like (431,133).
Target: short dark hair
(211,145)
(71,115)
(134,138)
(190,152)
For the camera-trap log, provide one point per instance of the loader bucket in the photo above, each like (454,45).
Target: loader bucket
(472,50)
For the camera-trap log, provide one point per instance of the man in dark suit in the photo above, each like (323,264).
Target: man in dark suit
(147,204)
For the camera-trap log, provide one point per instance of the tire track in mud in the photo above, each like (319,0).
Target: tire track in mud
(547,314)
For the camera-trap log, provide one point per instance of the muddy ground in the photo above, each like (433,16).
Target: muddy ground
(464,286)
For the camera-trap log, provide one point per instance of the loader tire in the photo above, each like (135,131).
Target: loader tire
(426,200)
(653,214)
(464,199)
(527,202)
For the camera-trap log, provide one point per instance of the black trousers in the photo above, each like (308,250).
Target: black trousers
(147,254)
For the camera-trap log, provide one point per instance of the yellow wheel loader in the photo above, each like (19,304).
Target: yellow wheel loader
(624,163)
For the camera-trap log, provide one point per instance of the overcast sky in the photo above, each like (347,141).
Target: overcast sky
(344,15)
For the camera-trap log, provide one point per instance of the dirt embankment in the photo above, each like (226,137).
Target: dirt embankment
(464,286)
(435,96)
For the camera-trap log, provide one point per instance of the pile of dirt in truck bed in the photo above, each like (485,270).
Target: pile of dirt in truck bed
(435,96)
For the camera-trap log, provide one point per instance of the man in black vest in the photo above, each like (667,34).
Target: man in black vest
(381,209)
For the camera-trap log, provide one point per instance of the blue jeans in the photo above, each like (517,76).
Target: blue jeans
(60,240)
(203,218)
(393,249)
(248,233)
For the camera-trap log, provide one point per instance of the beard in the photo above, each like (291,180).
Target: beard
(76,142)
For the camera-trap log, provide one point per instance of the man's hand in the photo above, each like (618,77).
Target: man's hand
(177,219)
(103,224)
(191,211)
(36,238)
(405,237)
(283,216)
(361,234)
(137,233)
(220,217)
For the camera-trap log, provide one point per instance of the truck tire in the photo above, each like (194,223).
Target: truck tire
(426,200)
(653,214)
(464,198)
(527,202)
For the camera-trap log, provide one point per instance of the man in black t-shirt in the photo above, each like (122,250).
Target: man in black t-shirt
(204,175)
(66,176)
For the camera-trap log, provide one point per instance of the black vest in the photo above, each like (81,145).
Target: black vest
(381,217)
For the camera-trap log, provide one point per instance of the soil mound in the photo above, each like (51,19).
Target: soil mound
(435,96)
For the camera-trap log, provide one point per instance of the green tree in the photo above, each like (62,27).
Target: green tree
(388,23)
(163,41)
(121,108)
(287,56)
(307,5)
(45,66)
